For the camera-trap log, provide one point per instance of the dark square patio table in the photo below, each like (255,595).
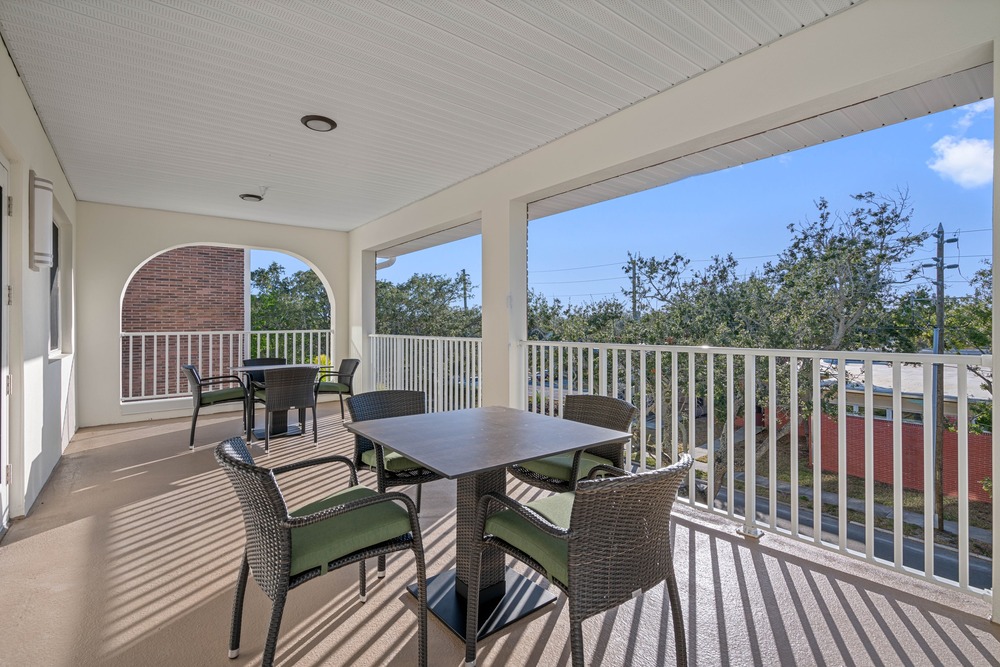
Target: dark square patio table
(475,447)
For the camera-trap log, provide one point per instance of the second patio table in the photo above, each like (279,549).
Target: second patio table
(475,447)
(279,418)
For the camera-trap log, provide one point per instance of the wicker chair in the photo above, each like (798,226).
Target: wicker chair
(391,469)
(561,472)
(340,382)
(257,377)
(255,381)
(203,398)
(601,545)
(285,549)
(284,389)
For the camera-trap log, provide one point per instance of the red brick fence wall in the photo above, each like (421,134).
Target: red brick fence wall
(913,454)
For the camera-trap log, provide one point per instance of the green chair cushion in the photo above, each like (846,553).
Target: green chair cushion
(332,388)
(222,395)
(549,551)
(560,465)
(317,544)
(394,461)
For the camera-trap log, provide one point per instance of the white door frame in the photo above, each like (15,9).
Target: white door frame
(5,379)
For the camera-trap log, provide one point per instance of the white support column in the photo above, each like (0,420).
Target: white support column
(995,343)
(361,331)
(505,316)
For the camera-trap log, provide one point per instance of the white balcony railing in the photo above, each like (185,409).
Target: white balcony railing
(869,436)
(446,369)
(151,361)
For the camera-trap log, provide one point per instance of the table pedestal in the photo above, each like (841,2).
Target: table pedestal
(280,426)
(504,595)
(519,598)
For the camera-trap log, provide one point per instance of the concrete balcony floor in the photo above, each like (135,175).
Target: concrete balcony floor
(130,558)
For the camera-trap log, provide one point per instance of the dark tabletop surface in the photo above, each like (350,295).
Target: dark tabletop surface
(466,442)
(271,367)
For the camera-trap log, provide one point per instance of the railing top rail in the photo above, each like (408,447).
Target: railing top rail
(401,336)
(237,332)
(840,355)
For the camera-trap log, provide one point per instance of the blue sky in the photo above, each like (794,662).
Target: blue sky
(944,160)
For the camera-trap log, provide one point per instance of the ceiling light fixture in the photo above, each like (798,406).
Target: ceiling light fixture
(319,123)
(248,196)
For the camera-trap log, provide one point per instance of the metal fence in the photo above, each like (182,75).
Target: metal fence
(151,361)
(838,440)
(446,369)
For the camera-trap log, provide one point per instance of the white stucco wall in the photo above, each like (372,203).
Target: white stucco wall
(113,241)
(42,410)
(875,48)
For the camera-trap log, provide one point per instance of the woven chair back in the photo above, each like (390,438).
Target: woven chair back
(287,388)
(258,376)
(268,543)
(380,405)
(606,412)
(620,537)
(346,372)
(194,382)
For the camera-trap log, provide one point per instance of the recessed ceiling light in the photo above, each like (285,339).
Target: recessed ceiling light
(251,197)
(319,123)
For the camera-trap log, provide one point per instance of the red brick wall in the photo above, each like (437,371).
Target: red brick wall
(913,454)
(195,288)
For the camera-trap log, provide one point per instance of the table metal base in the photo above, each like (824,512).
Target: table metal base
(291,429)
(522,597)
(280,426)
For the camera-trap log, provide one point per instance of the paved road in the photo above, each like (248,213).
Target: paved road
(945,559)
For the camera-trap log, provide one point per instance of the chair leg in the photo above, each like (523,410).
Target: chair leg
(315,431)
(418,553)
(194,420)
(576,642)
(237,626)
(680,640)
(267,431)
(341,407)
(277,607)
(472,604)
(381,559)
(362,582)
(419,489)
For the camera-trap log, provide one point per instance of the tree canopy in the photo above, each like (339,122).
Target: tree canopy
(279,302)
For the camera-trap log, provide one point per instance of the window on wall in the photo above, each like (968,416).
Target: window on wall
(55,299)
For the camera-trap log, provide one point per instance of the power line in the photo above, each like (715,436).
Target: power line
(625,263)
(586,280)
(577,268)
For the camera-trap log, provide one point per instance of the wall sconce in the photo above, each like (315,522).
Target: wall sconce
(39,222)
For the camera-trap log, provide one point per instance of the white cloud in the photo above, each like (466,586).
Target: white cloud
(967,162)
(971,111)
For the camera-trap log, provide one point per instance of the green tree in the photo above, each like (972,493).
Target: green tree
(426,305)
(279,303)
(836,283)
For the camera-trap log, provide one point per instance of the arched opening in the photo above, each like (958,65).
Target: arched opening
(205,305)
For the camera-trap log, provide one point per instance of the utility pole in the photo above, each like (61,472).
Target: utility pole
(465,290)
(938,388)
(635,296)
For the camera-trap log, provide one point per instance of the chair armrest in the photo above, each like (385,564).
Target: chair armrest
(607,470)
(221,379)
(528,514)
(322,460)
(320,377)
(323,515)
